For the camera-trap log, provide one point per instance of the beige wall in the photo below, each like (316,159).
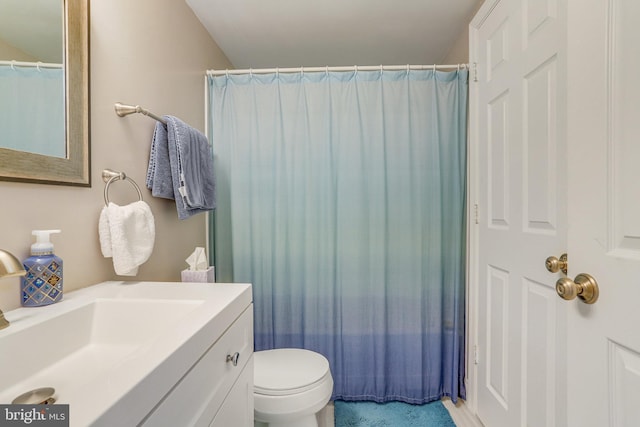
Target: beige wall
(148,52)
(11,53)
(459,52)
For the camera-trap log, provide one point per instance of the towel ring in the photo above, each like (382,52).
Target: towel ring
(110,176)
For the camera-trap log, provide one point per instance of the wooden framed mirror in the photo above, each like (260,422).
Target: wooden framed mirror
(72,167)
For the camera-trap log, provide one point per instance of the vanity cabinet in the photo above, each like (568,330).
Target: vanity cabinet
(141,353)
(217,391)
(237,409)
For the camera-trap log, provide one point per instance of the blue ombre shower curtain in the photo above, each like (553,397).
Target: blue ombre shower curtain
(341,197)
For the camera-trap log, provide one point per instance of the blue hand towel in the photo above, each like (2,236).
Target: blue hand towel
(191,168)
(181,167)
(159,179)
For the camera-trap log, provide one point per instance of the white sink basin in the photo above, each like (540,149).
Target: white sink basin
(86,340)
(111,345)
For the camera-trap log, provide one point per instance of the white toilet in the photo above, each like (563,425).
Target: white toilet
(290,386)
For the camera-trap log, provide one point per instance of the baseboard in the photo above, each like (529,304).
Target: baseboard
(461,414)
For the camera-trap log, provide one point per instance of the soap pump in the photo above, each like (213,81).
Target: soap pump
(42,285)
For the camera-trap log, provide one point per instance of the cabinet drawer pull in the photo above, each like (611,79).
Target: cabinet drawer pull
(233,359)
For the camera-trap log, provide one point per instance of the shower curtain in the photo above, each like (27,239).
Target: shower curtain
(341,198)
(32,110)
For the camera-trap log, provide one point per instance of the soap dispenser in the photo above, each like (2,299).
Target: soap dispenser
(42,285)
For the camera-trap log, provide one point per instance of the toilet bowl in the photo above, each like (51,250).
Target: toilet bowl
(290,386)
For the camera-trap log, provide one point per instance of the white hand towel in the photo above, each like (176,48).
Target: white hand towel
(104,233)
(127,234)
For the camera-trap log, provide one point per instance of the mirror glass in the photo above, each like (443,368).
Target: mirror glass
(44,91)
(32,77)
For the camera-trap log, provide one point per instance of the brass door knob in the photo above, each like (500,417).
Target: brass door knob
(584,287)
(554,264)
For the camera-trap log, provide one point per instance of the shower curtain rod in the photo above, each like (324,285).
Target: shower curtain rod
(327,69)
(31,64)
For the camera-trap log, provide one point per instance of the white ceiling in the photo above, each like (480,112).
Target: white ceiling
(294,33)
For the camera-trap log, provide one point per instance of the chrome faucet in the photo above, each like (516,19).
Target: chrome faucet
(9,267)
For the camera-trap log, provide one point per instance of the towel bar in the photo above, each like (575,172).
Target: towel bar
(124,110)
(110,176)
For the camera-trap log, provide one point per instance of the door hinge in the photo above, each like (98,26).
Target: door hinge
(475,71)
(475,355)
(476,214)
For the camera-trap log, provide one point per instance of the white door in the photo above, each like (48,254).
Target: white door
(604,211)
(519,140)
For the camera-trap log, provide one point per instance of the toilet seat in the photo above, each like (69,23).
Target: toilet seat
(288,371)
(290,386)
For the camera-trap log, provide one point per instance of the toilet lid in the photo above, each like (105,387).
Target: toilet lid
(288,370)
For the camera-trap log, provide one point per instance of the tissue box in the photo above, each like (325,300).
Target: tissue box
(203,276)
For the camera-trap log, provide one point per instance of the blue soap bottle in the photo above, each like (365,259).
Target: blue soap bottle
(42,285)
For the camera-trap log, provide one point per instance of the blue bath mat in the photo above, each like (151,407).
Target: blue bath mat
(391,414)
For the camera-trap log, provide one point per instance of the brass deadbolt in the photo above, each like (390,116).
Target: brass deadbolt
(584,287)
(554,264)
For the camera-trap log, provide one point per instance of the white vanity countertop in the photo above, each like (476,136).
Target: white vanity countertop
(183,321)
